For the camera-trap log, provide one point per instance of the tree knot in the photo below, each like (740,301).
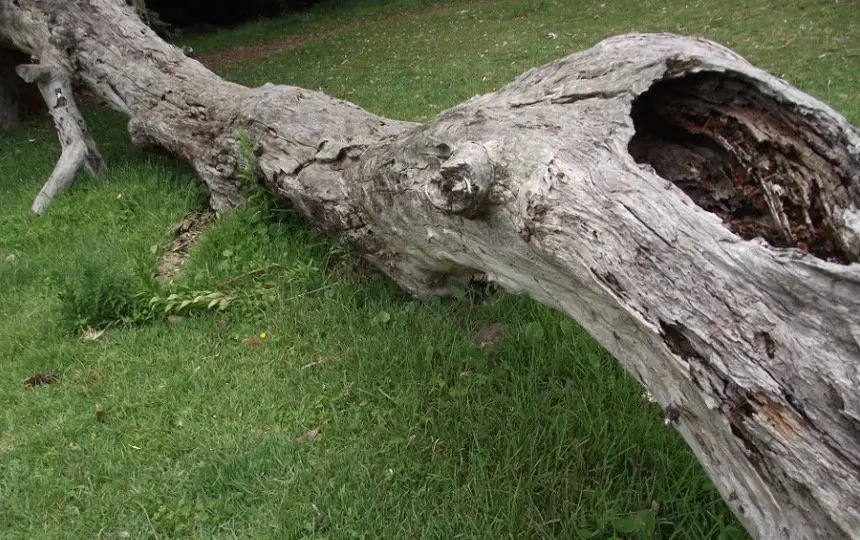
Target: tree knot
(463,181)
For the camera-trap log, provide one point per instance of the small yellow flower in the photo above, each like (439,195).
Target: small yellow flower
(263,335)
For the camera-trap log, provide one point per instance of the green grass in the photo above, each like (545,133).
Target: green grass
(422,435)
(326,16)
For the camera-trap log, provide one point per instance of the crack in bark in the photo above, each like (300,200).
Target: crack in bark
(647,225)
(566,99)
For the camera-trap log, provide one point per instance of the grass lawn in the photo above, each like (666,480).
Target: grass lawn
(322,403)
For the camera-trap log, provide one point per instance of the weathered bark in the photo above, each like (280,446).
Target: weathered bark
(696,215)
(78,148)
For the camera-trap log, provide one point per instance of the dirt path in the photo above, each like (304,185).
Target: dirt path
(250,53)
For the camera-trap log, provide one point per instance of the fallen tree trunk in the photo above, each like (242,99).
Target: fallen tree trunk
(696,215)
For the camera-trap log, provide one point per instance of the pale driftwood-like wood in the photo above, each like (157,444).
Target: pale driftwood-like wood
(696,215)
(77,147)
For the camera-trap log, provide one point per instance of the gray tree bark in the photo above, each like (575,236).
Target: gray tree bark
(78,148)
(698,216)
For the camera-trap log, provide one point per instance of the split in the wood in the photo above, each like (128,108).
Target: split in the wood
(766,169)
(77,147)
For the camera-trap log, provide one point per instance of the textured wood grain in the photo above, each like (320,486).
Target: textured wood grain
(698,216)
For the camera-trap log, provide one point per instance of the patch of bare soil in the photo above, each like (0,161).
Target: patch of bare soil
(250,53)
(185,233)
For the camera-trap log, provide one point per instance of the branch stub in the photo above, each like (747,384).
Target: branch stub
(463,181)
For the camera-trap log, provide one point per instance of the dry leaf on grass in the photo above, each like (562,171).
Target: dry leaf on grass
(175,319)
(318,362)
(100,414)
(255,341)
(307,436)
(322,521)
(39,379)
(252,342)
(489,335)
(92,335)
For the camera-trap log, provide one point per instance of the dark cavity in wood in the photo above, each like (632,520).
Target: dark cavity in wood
(757,163)
(677,342)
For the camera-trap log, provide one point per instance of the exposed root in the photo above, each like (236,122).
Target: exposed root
(185,234)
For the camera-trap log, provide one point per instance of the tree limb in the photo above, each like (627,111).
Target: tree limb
(78,148)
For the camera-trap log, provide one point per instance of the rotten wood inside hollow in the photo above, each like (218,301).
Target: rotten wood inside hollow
(751,160)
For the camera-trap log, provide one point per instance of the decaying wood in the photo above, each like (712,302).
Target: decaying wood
(696,215)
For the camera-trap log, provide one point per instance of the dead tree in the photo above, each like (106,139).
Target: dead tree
(696,215)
